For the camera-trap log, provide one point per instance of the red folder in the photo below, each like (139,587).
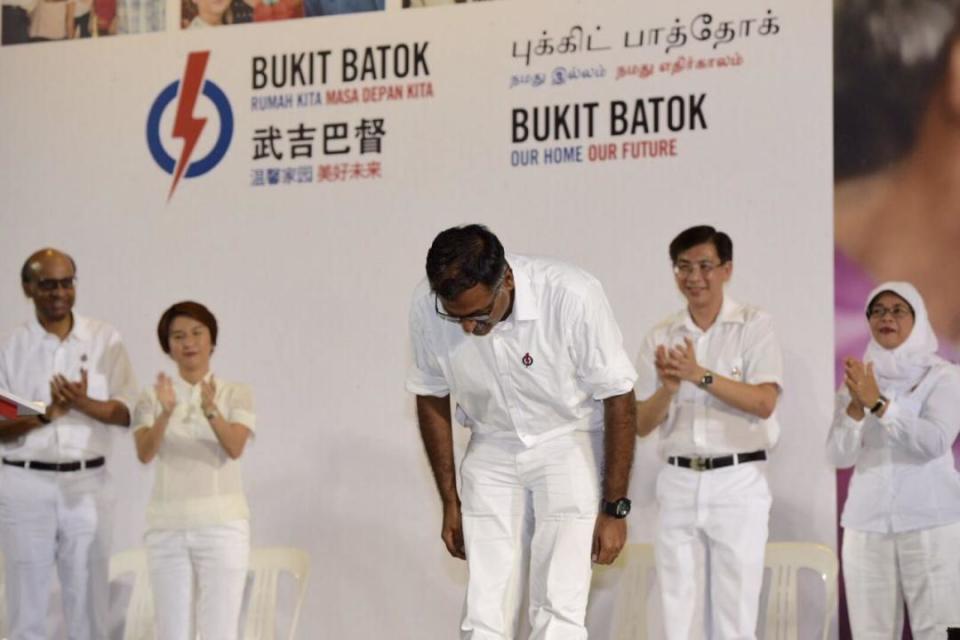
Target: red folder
(12,407)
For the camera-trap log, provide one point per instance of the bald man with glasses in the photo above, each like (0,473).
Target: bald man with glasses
(531,353)
(54,505)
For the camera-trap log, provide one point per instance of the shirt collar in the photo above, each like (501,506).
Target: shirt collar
(524,299)
(731,312)
(80,330)
(190,392)
(186,385)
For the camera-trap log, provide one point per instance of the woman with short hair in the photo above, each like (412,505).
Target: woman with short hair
(198,532)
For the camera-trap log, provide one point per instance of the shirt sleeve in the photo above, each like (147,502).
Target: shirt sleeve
(122,384)
(602,363)
(425,376)
(240,409)
(846,434)
(929,433)
(145,411)
(647,379)
(763,361)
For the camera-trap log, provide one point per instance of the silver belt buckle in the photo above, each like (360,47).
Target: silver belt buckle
(699,464)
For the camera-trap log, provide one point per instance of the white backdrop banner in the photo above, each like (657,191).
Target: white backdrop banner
(292,175)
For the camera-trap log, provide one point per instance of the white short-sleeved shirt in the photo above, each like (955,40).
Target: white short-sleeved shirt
(904,477)
(29,359)
(196,483)
(740,345)
(542,372)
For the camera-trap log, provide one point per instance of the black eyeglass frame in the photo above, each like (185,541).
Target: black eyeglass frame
(482,318)
(52,284)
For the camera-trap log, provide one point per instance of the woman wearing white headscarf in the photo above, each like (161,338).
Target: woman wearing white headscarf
(896,418)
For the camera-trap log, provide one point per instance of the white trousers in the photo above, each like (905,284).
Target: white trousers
(560,480)
(56,522)
(210,562)
(881,570)
(726,512)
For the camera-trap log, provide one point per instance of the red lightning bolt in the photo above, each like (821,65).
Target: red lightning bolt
(186,126)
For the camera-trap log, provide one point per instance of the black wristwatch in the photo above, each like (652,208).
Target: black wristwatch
(618,508)
(706,380)
(881,403)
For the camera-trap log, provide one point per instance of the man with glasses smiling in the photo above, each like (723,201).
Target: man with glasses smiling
(54,510)
(709,378)
(531,354)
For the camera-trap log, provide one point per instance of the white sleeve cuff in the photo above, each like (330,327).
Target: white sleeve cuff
(890,415)
(851,423)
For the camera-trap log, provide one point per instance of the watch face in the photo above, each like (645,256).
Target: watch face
(618,509)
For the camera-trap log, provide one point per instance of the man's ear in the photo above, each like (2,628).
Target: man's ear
(508,279)
(728,267)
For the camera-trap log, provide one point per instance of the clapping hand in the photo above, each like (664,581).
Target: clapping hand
(670,382)
(208,391)
(66,393)
(166,396)
(861,382)
(681,362)
(58,406)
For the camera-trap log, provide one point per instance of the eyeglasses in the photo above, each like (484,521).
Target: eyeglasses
(51,284)
(684,268)
(479,318)
(898,312)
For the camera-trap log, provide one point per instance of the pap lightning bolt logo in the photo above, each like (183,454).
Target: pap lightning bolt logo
(187,126)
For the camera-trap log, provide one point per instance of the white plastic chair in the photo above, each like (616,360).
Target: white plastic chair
(630,607)
(784,560)
(138,621)
(267,565)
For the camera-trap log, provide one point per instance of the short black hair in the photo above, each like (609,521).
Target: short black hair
(462,257)
(190,309)
(913,313)
(698,235)
(26,271)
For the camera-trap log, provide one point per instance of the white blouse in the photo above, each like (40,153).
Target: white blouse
(904,477)
(196,484)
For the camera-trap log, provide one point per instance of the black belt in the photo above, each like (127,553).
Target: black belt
(57,466)
(706,464)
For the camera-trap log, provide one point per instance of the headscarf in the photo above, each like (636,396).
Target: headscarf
(900,369)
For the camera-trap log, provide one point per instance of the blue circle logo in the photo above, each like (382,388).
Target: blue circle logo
(209,161)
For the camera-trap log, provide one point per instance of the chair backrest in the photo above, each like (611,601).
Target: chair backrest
(784,560)
(630,607)
(138,621)
(266,566)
